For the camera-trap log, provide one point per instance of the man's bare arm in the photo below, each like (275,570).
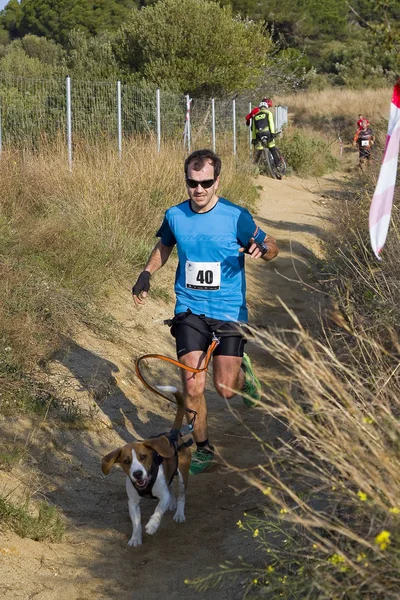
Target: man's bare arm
(272,246)
(158,257)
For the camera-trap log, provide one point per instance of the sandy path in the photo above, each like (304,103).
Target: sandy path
(94,562)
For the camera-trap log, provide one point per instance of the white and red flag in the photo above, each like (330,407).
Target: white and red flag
(381,205)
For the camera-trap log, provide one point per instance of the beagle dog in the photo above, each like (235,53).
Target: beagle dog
(150,467)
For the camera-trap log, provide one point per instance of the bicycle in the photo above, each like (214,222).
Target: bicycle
(276,172)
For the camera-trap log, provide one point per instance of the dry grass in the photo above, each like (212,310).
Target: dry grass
(68,238)
(328,527)
(338,109)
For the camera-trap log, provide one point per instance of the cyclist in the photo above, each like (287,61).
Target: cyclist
(263,129)
(211,235)
(256,109)
(364,139)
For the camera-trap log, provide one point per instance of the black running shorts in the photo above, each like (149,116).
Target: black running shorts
(194,332)
(365,153)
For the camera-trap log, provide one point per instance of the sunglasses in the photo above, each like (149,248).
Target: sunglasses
(206,183)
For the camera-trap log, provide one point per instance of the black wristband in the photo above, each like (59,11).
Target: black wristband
(261,246)
(142,284)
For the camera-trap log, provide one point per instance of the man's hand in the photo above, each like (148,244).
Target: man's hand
(267,250)
(254,249)
(141,288)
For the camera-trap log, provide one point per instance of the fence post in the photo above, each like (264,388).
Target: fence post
(250,128)
(213,124)
(188,122)
(69,122)
(158,119)
(234,126)
(119,118)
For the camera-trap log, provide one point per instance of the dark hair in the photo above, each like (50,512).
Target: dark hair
(199,157)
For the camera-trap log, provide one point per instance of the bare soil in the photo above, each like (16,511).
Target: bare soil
(97,380)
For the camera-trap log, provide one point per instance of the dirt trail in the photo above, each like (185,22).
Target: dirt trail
(94,562)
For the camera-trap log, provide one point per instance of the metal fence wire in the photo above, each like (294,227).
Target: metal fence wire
(37,110)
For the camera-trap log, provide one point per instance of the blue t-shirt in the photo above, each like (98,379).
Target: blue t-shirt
(210,278)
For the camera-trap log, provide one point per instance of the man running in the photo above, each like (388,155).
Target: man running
(211,235)
(364,139)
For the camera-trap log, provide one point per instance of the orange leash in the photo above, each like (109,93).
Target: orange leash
(211,348)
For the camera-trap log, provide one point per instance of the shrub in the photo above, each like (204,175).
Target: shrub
(307,153)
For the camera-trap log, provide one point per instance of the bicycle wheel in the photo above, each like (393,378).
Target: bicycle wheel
(268,160)
(282,164)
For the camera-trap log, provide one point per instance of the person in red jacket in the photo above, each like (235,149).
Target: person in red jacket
(256,110)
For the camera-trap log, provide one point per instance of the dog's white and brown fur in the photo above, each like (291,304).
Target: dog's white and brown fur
(136,459)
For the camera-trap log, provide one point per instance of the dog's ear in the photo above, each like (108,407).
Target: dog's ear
(110,459)
(161,445)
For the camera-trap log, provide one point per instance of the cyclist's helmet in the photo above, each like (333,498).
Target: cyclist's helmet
(268,101)
(263,104)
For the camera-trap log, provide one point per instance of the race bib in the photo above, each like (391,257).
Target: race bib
(203,275)
(364,142)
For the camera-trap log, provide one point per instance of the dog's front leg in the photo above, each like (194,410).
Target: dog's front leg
(179,516)
(161,491)
(134,513)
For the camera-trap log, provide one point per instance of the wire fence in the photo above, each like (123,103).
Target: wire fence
(35,110)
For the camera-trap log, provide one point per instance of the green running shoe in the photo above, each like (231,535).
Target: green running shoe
(201,460)
(252,386)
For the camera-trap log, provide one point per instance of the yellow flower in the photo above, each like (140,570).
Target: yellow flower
(270,569)
(362,495)
(283,511)
(315,546)
(368,420)
(335,559)
(240,524)
(383,539)
(394,510)
(267,491)
(361,556)
(256,533)
(255,581)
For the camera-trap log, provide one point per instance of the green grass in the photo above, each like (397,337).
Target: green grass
(10,455)
(47,526)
